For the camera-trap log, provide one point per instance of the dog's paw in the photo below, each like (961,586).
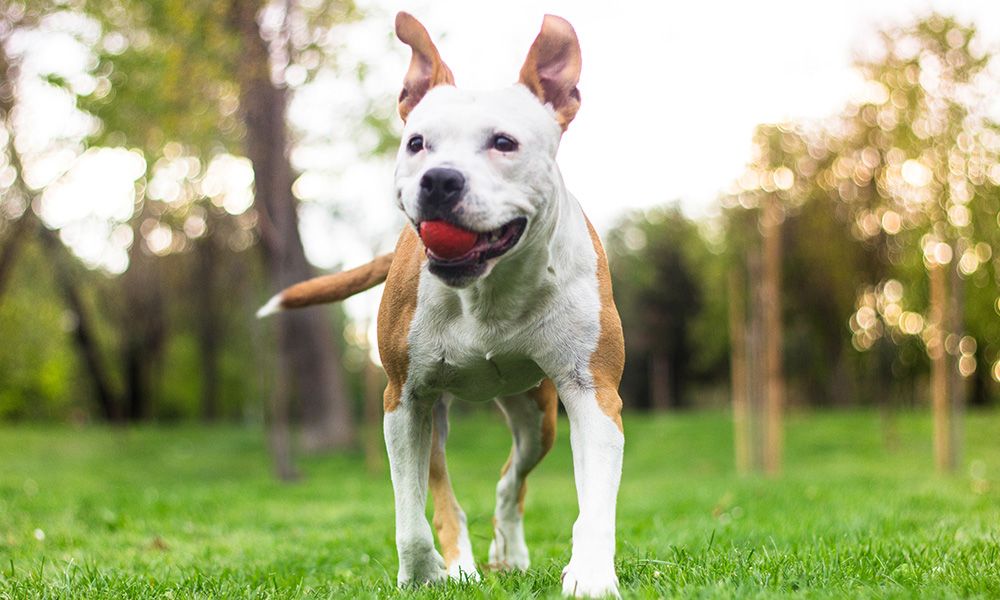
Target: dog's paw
(420,568)
(464,571)
(509,556)
(508,550)
(579,582)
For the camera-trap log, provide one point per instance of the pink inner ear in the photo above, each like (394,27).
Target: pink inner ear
(426,67)
(556,76)
(552,68)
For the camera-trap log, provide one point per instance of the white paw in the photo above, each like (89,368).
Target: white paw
(509,558)
(508,550)
(591,582)
(420,567)
(464,570)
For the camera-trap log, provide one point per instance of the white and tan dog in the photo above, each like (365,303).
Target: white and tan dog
(499,291)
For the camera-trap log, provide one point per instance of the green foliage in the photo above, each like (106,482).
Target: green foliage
(165,72)
(38,372)
(820,281)
(193,512)
(670,291)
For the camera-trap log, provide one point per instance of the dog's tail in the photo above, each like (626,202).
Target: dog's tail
(329,288)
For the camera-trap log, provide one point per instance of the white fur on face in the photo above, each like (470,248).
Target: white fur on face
(458,127)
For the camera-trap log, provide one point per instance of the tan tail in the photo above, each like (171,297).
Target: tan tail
(329,288)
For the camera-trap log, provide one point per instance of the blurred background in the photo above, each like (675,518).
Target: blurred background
(810,216)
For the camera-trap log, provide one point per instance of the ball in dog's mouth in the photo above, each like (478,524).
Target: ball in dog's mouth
(458,253)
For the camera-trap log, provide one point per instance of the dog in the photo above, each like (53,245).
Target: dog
(498,289)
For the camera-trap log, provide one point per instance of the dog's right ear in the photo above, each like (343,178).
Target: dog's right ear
(426,67)
(552,68)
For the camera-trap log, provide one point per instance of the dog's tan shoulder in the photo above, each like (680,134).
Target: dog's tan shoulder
(399,302)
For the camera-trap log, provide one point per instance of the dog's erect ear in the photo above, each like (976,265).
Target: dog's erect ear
(552,68)
(426,67)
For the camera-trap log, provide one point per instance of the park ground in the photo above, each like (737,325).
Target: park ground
(193,512)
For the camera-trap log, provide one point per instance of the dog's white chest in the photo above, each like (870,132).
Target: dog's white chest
(472,363)
(479,379)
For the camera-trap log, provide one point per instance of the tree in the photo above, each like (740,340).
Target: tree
(243,60)
(911,172)
(910,158)
(239,55)
(308,357)
(756,321)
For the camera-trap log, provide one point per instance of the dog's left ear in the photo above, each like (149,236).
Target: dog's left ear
(426,67)
(552,68)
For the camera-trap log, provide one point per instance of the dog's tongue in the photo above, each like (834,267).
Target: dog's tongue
(446,240)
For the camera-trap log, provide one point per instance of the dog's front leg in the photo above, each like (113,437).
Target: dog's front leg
(408,441)
(597,441)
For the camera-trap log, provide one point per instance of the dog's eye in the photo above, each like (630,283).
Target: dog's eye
(415,144)
(503,143)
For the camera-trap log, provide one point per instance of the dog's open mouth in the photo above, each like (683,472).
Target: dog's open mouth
(458,251)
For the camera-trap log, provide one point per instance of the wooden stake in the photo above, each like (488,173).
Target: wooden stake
(944,457)
(774,386)
(755,360)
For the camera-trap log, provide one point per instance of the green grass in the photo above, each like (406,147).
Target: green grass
(193,513)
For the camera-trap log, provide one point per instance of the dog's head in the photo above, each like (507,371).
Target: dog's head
(476,170)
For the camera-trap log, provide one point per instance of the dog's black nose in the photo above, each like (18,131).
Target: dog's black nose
(441,187)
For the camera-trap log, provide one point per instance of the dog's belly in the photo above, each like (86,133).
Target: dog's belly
(481,379)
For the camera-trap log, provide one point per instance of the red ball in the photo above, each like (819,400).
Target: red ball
(445,240)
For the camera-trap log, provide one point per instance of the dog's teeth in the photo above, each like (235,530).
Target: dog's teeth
(495,236)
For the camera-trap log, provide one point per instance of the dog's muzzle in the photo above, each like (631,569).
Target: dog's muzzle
(456,253)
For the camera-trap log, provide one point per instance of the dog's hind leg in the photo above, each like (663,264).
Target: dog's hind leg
(449,520)
(532,421)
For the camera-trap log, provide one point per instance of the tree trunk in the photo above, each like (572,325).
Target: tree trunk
(308,354)
(143,328)
(944,449)
(840,390)
(279,433)
(738,369)
(660,382)
(756,382)
(773,372)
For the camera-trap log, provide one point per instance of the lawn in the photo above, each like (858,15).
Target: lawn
(192,512)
